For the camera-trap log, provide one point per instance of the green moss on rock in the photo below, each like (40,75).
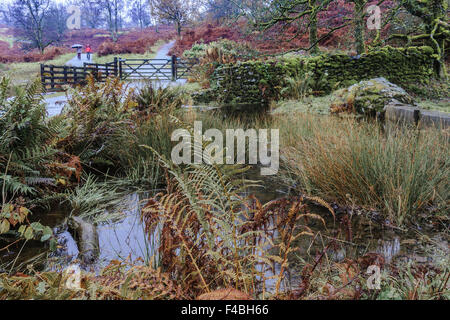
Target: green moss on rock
(369,97)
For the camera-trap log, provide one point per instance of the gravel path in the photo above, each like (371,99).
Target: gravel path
(75,62)
(163,53)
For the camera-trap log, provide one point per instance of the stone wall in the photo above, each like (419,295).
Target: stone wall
(258,82)
(251,82)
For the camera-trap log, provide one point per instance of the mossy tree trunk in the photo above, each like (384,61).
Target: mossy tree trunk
(313,34)
(359,25)
(437,29)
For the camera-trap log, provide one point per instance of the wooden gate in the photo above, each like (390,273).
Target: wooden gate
(183,67)
(155,69)
(55,77)
(151,69)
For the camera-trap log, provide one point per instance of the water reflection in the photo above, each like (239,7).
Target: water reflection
(388,248)
(125,239)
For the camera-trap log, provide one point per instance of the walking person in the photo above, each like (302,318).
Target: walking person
(88,51)
(79,53)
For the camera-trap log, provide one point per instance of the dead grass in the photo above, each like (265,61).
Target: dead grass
(118,281)
(137,42)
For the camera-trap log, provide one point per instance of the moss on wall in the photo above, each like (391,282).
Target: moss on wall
(251,82)
(258,82)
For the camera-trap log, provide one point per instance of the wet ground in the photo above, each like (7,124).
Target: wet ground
(79,62)
(126,240)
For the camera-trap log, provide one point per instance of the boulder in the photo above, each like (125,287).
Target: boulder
(369,97)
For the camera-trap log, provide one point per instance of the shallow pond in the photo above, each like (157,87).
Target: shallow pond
(118,240)
(126,240)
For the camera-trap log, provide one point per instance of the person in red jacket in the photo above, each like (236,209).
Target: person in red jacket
(88,51)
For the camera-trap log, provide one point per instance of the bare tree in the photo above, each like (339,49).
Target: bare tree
(57,21)
(35,22)
(173,11)
(113,10)
(153,16)
(221,9)
(91,13)
(140,13)
(4,16)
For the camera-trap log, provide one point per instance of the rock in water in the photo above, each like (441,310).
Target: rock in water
(87,239)
(369,97)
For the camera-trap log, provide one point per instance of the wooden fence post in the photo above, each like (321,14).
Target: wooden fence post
(174,68)
(120,68)
(75,76)
(52,73)
(65,75)
(115,66)
(42,75)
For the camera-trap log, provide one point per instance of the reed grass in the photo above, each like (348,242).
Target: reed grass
(400,172)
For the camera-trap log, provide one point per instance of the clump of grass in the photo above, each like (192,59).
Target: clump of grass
(400,172)
(92,199)
(300,86)
(151,99)
(140,164)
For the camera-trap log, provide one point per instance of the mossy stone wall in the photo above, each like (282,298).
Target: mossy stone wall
(258,82)
(251,82)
